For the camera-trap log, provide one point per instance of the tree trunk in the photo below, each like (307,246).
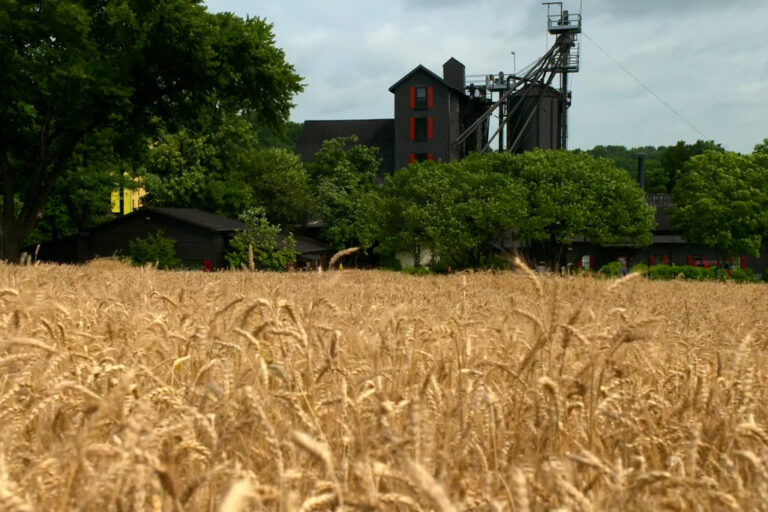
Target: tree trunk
(11,239)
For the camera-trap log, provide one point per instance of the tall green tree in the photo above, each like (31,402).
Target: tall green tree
(674,158)
(721,200)
(225,168)
(342,180)
(279,184)
(190,169)
(73,67)
(459,212)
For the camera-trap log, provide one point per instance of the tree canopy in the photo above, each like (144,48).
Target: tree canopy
(459,212)
(721,200)
(342,179)
(539,202)
(72,68)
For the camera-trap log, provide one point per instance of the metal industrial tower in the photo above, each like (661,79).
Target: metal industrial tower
(518,100)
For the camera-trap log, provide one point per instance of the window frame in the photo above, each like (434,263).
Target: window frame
(421,102)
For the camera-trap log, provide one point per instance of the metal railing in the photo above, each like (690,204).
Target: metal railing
(564,22)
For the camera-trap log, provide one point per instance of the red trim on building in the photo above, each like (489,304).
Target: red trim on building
(411,158)
(665,259)
(591,261)
(412,130)
(651,260)
(413,97)
(430,97)
(689,260)
(429,157)
(430,128)
(743,262)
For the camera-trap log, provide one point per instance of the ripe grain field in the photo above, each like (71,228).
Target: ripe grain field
(134,389)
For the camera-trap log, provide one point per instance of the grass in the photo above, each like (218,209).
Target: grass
(134,389)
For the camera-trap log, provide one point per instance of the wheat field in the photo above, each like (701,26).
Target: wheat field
(133,389)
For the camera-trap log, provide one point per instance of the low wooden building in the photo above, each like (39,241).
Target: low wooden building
(668,247)
(202,238)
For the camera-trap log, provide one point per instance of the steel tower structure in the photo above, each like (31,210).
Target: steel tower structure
(515,98)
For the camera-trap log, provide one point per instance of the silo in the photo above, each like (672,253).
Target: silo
(534,119)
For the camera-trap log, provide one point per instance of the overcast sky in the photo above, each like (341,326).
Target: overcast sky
(707,59)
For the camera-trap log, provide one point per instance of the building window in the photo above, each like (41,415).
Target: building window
(421,157)
(421,102)
(420,131)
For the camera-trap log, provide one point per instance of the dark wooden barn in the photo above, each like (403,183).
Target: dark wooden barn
(200,237)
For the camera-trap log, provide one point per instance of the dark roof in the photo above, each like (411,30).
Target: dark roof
(422,69)
(199,218)
(667,239)
(535,89)
(378,133)
(304,244)
(453,60)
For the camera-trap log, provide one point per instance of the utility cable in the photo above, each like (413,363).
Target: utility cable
(678,114)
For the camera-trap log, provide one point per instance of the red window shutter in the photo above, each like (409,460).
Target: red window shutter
(429,157)
(591,261)
(413,97)
(430,128)
(412,133)
(411,158)
(689,260)
(665,259)
(430,97)
(578,263)
(651,260)
(743,262)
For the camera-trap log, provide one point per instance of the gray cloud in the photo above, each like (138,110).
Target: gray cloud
(683,9)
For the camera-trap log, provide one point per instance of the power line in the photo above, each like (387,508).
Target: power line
(678,114)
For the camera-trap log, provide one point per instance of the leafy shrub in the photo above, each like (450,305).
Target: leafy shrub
(746,275)
(612,269)
(697,273)
(260,239)
(663,272)
(157,249)
(640,268)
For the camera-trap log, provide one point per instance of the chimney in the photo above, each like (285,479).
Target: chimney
(453,74)
(641,170)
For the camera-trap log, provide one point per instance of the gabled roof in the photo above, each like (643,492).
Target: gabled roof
(421,69)
(304,244)
(199,218)
(193,216)
(453,59)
